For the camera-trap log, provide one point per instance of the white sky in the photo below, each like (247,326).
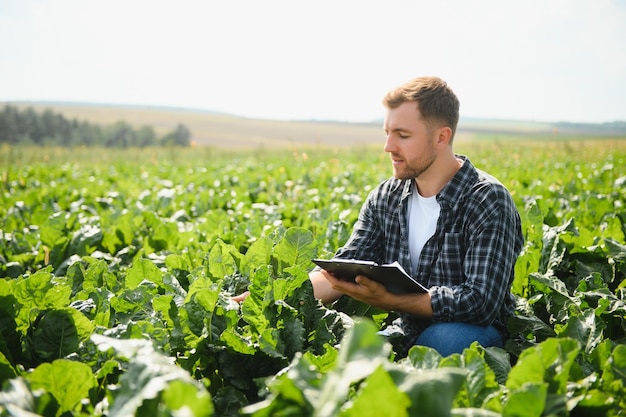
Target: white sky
(544,60)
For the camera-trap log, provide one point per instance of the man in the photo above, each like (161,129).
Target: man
(454,227)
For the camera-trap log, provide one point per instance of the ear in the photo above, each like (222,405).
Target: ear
(444,134)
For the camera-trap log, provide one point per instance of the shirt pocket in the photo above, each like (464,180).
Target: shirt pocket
(448,266)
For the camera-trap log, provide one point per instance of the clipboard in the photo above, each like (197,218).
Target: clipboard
(392,276)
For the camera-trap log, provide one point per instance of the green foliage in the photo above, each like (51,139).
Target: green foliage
(117,272)
(27,127)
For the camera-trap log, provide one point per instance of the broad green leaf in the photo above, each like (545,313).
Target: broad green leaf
(423,357)
(554,249)
(175,261)
(237,342)
(259,254)
(85,240)
(432,391)
(529,259)
(7,370)
(527,400)
(362,350)
(549,362)
(53,232)
(56,334)
(221,261)
(187,398)
(10,338)
(97,275)
(499,361)
(68,381)
(164,236)
(296,248)
(271,343)
(614,372)
(616,249)
(586,329)
(480,381)
(148,379)
(39,292)
(143,270)
(379,396)
(324,362)
(292,392)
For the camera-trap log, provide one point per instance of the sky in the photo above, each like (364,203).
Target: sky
(540,60)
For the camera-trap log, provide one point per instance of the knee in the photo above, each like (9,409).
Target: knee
(449,338)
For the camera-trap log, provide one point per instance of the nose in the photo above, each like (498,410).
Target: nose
(389,143)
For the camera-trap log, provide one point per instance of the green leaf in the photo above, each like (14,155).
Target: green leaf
(187,398)
(56,334)
(432,391)
(68,381)
(143,270)
(324,362)
(549,362)
(237,342)
(554,248)
(423,357)
(53,232)
(147,382)
(297,247)
(616,249)
(259,254)
(480,381)
(499,362)
(221,260)
(39,292)
(85,240)
(18,398)
(614,373)
(367,401)
(361,351)
(528,400)
(7,371)
(586,328)
(175,261)
(529,259)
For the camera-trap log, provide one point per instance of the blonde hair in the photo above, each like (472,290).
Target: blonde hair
(435,100)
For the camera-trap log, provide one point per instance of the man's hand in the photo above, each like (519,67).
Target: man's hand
(363,289)
(239,298)
(375,294)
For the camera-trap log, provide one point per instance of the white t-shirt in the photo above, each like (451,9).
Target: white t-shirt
(422,219)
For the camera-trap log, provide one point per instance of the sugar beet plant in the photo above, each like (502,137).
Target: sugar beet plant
(117,271)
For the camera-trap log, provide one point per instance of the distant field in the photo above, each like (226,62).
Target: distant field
(233,132)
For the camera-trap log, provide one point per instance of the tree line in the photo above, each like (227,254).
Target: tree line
(30,127)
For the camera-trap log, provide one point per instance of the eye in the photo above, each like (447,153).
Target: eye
(403,135)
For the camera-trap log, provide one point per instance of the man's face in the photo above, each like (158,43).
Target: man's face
(410,143)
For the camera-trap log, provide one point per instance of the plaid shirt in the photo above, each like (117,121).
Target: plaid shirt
(468,264)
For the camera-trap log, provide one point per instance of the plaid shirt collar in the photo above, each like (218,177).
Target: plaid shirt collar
(456,188)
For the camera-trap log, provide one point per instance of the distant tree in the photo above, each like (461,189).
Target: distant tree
(9,131)
(119,135)
(181,136)
(50,128)
(146,137)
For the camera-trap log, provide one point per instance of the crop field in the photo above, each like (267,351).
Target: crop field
(117,270)
(231,132)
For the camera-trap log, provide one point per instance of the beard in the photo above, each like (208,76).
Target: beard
(414,168)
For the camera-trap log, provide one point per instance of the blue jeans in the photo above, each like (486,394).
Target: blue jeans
(449,338)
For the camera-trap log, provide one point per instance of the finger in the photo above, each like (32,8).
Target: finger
(239,298)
